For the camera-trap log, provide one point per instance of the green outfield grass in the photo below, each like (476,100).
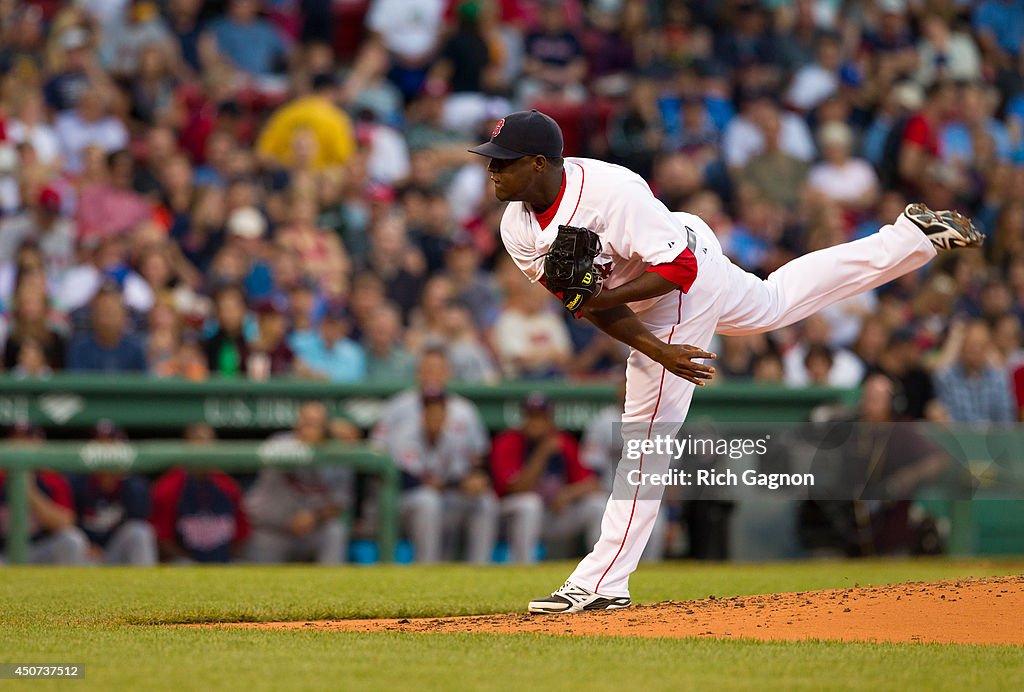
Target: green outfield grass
(109,620)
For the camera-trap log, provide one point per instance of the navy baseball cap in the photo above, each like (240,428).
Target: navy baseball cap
(523,133)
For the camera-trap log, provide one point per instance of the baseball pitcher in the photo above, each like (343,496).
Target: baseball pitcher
(596,236)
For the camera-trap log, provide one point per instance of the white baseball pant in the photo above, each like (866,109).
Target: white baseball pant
(727,300)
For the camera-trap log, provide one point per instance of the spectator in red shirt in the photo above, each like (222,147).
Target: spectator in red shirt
(546,492)
(53,537)
(919,146)
(198,515)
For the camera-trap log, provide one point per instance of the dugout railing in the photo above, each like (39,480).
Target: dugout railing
(20,461)
(246,409)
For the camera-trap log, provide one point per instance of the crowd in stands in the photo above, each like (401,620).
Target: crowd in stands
(281,188)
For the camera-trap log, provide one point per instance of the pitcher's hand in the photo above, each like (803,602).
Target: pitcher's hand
(679,359)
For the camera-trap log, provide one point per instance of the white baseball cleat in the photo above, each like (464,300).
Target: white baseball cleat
(574,599)
(946,229)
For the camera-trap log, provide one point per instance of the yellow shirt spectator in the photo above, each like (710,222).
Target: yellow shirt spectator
(330,126)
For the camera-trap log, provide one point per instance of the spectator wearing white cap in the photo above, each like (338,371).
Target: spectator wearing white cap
(247,234)
(851,182)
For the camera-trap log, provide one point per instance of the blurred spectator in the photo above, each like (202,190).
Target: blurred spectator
(387,360)
(555,64)
(815,82)
(744,137)
(396,262)
(470,359)
(750,44)
(802,25)
(999,25)
(818,364)
(387,161)
(774,174)
(919,139)
(328,353)
(318,250)
(636,133)
(851,182)
(446,490)
(109,346)
(227,353)
(475,287)
(768,368)
(76,67)
(531,341)
(426,322)
(882,139)
(974,138)
(890,41)
(198,515)
(128,39)
(30,326)
(26,267)
(53,537)
(249,44)
(901,362)
(269,353)
(404,36)
(103,266)
(944,53)
(844,370)
(89,124)
(43,223)
(295,514)
(332,134)
(31,127)
(113,509)
(471,58)
(972,389)
(546,492)
(473,62)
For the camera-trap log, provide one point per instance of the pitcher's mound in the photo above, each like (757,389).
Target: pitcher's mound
(970,611)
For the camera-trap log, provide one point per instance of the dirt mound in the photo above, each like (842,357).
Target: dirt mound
(969,611)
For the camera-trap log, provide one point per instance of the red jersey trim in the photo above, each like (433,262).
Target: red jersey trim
(682,271)
(583,180)
(640,469)
(545,217)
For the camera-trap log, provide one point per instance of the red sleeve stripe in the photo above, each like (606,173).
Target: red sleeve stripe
(682,271)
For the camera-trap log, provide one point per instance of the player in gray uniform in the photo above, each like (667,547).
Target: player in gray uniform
(295,512)
(447,496)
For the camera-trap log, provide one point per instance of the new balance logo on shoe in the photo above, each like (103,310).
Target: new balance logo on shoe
(574,599)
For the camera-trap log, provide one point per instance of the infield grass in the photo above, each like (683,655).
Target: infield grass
(111,620)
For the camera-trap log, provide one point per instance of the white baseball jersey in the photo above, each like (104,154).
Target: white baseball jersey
(637,233)
(636,230)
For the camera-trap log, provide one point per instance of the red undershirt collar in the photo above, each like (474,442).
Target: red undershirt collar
(545,218)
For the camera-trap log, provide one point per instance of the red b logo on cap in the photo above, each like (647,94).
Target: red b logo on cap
(497,128)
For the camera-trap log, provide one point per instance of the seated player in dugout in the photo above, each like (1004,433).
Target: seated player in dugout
(198,515)
(547,493)
(658,281)
(53,537)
